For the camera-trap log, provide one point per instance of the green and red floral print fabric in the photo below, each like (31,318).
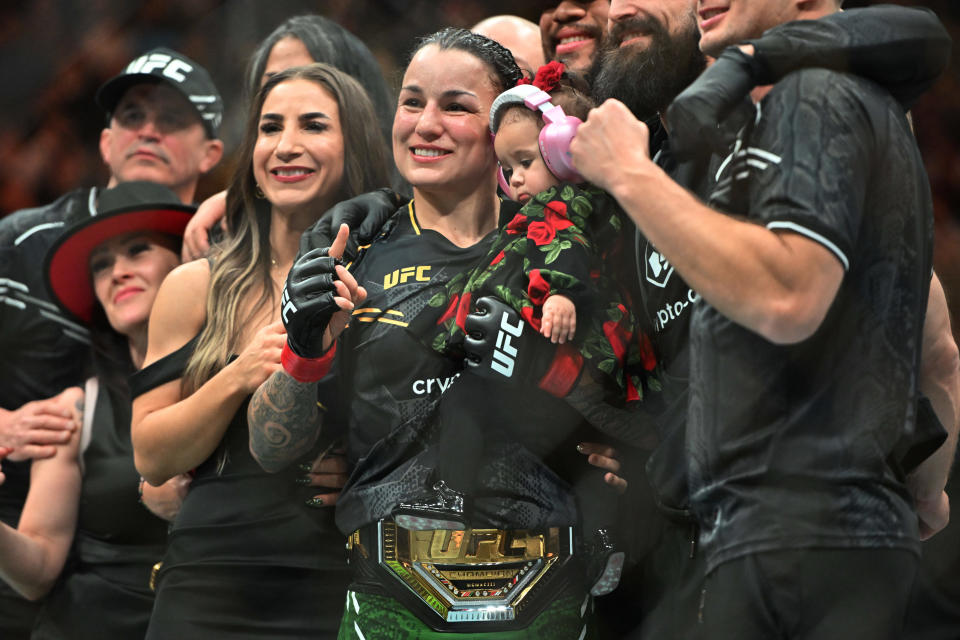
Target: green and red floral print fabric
(565,240)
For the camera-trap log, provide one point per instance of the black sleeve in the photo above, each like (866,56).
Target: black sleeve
(810,158)
(902,49)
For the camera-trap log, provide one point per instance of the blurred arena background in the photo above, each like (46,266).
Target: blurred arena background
(55,53)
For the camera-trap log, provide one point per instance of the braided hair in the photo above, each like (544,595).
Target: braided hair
(498,58)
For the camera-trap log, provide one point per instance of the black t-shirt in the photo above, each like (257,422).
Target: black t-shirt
(790,445)
(42,351)
(665,302)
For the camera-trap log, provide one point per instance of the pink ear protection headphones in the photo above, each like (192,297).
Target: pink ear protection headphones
(555,136)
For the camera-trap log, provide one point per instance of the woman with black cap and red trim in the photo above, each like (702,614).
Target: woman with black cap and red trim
(105,272)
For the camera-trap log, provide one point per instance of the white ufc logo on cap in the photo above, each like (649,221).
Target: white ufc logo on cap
(173,68)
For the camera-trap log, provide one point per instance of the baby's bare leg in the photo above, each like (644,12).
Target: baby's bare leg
(559,321)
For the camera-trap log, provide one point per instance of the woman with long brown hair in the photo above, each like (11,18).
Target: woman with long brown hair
(247,557)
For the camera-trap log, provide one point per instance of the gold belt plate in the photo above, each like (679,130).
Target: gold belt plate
(474,575)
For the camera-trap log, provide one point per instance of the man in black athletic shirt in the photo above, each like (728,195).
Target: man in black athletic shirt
(163,116)
(650,56)
(790,422)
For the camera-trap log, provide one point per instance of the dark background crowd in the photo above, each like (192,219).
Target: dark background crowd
(56,53)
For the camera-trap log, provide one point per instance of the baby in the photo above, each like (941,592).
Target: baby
(525,174)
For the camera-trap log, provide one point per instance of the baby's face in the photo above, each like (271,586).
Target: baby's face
(519,156)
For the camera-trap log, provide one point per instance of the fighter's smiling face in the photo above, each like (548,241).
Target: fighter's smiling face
(440,134)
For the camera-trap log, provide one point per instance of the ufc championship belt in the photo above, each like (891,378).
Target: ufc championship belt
(472,580)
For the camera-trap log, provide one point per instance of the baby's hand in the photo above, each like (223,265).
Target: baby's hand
(559,321)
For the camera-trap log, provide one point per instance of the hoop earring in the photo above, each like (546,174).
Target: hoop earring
(258,192)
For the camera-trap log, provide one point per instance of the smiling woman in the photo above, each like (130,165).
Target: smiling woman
(247,555)
(298,159)
(105,272)
(440,140)
(385,384)
(127,272)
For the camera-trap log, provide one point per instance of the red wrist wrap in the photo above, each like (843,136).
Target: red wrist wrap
(306,369)
(563,372)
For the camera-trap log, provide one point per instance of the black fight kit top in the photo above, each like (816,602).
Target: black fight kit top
(791,445)
(386,383)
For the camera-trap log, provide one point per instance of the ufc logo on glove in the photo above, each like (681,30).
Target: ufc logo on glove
(505,354)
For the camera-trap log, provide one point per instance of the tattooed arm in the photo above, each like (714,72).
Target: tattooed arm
(284,421)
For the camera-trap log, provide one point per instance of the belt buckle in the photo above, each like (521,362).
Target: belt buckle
(474,575)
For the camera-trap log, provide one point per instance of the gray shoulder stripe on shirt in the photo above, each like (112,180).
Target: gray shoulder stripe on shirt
(813,235)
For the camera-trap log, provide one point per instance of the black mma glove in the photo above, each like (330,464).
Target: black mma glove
(694,116)
(500,345)
(306,307)
(364,214)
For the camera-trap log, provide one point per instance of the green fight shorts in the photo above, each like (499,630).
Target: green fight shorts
(374,617)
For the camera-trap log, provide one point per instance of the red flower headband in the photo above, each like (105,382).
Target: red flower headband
(547,76)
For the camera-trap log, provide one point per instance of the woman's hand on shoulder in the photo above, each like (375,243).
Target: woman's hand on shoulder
(196,237)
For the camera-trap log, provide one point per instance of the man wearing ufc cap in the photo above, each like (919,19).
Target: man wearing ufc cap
(163,117)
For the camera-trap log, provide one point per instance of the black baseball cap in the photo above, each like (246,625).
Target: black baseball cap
(177,70)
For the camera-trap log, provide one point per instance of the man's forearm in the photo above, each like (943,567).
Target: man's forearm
(940,383)
(284,421)
(904,49)
(792,280)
